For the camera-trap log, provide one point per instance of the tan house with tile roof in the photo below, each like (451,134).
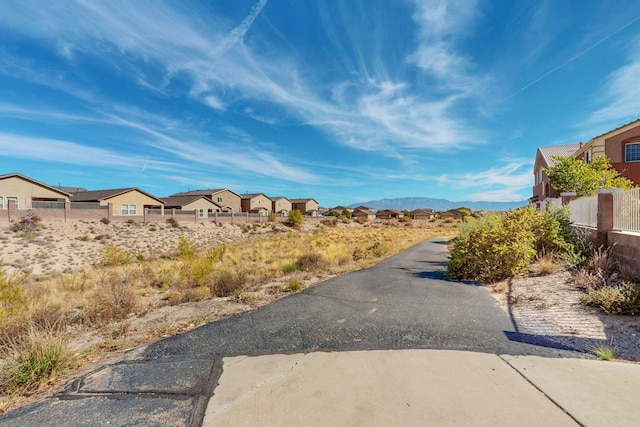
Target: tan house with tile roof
(201,204)
(306,206)
(280,205)
(26,192)
(425,213)
(230,201)
(389,213)
(368,214)
(125,201)
(621,146)
(544,158)
(255,202)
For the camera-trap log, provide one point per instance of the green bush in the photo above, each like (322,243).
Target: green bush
(621,299)
(498,246)
(295,218)
(111,256)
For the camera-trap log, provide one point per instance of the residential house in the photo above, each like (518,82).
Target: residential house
(230,201)
(255,203)
(544,158)
(306,206)
(203,205)
(621,146)
(341,209)
(280,205)
(389,214)
(423,214)
(366,209)
(125,201)
(453,213)
(367,214)
(27,193)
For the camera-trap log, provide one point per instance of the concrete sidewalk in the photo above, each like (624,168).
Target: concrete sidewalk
(423,387)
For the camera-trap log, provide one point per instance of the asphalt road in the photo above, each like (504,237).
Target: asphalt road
(403,302)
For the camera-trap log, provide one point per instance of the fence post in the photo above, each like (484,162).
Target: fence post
(567,197)
(195,216)
(110,211)
(67,210)
(145,213)
(215,217)
(246,218)
(605,215)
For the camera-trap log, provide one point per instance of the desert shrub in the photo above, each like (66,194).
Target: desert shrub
(498,246)
(29,222)
(172,222)
(294,286)
(311,262)
(11,299)
(111,256)
(105,220)
(331,222)
(271,217)
(290,268)
(295,218)
(620,299)
(226,282)
(34,362)
(186,249)
(358,254)
(113,302)
(361,220)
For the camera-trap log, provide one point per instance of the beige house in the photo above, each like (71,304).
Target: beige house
(621,146)
(125,201)
(425,213)
(306,206)
(28,193)
(200,204)
(389,213)
(229,201)
(368,214)
(256,203)
(280,205)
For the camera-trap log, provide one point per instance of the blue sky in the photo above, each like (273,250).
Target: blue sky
(343,101)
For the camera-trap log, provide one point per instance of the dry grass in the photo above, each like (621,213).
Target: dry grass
(126,284)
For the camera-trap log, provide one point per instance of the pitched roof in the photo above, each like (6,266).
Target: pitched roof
(251,195)
(557,150)
(207,192)
(302,200)
(278,198)
(184,200)
(26,178)
(97,195)
(618,128)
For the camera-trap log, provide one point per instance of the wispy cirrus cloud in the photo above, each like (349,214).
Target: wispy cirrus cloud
(506,182)
(619,98)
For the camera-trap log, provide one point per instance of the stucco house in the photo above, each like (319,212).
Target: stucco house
(620,145)
(306,206)
(389,214)
(203,205)
(544,158)
(369,215)
(125,201)
(423,214)
(255,203)
(230,201)
(280,205)
(27,193)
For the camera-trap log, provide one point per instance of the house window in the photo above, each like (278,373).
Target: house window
(632,152)
(201,213)
(132,210)
(125,210)
(587,156)
(1,203)
(219,199)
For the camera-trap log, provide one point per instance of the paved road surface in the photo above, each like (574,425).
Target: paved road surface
(404,302)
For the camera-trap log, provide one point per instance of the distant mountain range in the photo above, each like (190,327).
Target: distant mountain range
(411,203)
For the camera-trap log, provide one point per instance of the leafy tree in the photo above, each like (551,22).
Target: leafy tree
(346,213)
(572,174)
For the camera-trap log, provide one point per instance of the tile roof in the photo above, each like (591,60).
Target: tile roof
(207,192)
(184,200)
(26,178)
(97,195)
